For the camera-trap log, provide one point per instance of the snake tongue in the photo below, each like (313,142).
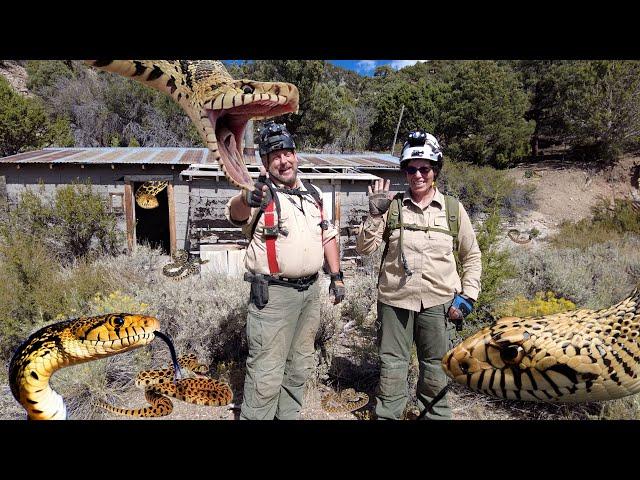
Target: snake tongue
(229,132)
(174,359)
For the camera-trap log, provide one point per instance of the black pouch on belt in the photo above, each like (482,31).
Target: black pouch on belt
(259,289)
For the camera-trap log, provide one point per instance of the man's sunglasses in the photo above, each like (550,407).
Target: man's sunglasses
(422,170)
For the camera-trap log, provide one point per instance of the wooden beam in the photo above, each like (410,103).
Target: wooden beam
(172,218)
(130,215)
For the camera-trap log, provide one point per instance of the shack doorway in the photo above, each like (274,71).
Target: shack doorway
(152,224)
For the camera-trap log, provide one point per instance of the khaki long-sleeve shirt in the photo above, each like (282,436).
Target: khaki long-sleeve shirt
(429,255)
(301,252)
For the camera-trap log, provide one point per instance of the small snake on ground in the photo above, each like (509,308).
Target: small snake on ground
(514,235)
(158,384)
(182,267)
(577,356)
(348,400)
(69,343)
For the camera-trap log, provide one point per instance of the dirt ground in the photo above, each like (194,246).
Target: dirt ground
(569,193)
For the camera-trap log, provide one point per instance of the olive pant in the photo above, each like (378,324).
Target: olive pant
(281,353)
(433,335)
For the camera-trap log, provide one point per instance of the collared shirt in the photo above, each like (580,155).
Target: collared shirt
(429,255)
(301,252)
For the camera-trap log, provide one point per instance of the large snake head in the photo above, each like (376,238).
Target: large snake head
(219,106)
(556,358)
(108,334)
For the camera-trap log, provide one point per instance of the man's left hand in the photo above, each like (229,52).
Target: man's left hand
(336,287)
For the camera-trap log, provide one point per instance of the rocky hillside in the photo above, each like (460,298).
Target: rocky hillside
(16,75)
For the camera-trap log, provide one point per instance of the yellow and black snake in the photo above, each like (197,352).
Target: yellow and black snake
(218,105)
(146,194)
(160,384)
(577,356)
(69,343)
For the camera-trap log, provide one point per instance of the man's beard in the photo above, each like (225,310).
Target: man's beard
(289,183)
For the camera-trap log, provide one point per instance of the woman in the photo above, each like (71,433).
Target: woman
(418,279)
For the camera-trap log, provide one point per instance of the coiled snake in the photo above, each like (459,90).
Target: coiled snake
(182,267)
(160,384)
(577,356)
(218,105)
(69,343)
(348,400)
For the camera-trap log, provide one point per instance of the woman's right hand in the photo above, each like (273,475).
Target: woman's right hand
(379,200)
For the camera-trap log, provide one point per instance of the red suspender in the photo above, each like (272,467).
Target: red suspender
(269,221)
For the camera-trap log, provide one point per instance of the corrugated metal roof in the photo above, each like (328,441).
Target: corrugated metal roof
(187,156)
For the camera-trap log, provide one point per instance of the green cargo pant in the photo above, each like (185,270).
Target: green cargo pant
(281,347)
(433,335)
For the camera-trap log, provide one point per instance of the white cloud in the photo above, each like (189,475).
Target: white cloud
(367,66)
(398,64)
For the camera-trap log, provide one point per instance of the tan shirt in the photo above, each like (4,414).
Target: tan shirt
(429,255)
(301,252)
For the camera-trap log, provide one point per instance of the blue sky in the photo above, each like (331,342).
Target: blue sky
(367,67)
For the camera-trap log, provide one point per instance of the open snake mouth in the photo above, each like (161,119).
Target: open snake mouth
(229,125)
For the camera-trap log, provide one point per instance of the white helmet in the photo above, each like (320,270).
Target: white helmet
(420,146)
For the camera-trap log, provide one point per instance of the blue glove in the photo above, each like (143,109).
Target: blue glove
(463,303)
(460,308)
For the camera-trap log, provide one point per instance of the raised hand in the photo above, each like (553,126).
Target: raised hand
(379,200)
(260,196)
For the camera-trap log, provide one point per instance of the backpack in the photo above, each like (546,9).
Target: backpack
(394,222)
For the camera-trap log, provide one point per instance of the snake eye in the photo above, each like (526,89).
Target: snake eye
(247,89)
(117,321)
(512,354)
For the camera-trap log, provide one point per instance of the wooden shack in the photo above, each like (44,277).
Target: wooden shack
(190,214)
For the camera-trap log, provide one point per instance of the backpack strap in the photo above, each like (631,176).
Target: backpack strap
(394,221)
(452,207)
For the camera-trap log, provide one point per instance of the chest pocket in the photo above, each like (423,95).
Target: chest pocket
(440,241)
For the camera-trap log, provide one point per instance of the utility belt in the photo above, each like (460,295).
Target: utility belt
(260,285)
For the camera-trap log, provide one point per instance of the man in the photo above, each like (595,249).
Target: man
(289,239)
(419,291)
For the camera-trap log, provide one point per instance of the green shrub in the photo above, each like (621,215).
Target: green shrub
(73,222)
(595,277)
(36,290)
(544,303)
(497,268)
(609,222)
(25,125)
(480,189)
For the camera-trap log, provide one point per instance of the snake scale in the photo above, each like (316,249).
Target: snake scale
(69,343)
(160,384)
(218,105)
(578,356)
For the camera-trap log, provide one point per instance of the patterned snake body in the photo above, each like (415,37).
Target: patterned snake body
(68,343)
(160,384)
(577,356)
(218,105)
